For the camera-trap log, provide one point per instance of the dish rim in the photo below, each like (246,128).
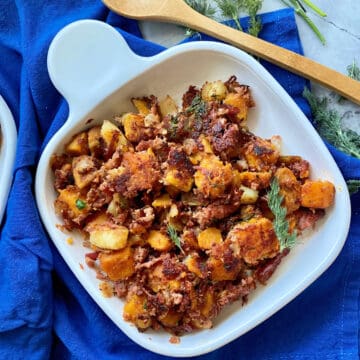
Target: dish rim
(72,122)
(7,153)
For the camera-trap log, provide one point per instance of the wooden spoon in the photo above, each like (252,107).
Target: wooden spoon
(177,11)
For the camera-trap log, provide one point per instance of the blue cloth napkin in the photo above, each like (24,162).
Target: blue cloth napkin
(44,311)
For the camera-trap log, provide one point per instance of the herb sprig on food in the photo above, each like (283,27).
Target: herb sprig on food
(281,224)
(197,106)
(171,231)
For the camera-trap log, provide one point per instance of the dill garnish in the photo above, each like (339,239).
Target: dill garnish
(353,186)
(252,7)
(281,225)
(203,7)
(353,71)
(171,231)
(328,123)
(230,9)
(197,106)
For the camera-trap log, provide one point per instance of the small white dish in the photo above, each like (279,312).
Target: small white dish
(94,69)
(7,153)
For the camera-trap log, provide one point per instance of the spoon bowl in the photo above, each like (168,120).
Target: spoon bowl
(178,12)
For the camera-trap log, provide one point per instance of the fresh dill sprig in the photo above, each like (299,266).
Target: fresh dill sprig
(353,186)
(295,4)
(197,106)
(281,225)
(328,123)
(231,9)
(353,71)
(203,7)
(252,7)
(171,231)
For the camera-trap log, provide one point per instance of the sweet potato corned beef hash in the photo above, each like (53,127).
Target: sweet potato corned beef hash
(184,210)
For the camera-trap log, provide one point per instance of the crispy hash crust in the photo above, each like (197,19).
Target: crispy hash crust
(172,202)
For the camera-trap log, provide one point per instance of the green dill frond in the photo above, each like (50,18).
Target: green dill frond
(252,7)
(197,106)
(353,186)
(203,7)
(353,71)
(171,231)
(280,223)
(328,124)
(230,9)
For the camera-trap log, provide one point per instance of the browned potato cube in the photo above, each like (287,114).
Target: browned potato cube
(317,194)
(71,204)
(84,170)
(111,238)
(290,189)
(78,145)
(208,237)
(170,319)
(135,311)
(179,179)
(212,176)
(113,138)
(218,270)
(238,101)
(159,241)
(118,265)
(141,106)
(215,90)
(254,240)
(133,126)
(261,154)
(253,179)
(168,106)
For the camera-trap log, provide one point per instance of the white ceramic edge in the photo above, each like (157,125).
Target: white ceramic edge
(7,153)
(145,63)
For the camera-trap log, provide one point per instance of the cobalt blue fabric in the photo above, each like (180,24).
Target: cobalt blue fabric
(44,311)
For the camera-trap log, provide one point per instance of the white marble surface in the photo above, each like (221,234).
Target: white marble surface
(341,29)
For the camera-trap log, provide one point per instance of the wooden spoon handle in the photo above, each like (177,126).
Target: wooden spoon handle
(287,59)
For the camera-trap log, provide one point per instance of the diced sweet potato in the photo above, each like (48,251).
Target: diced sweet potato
(239,102)
(141,106)
(118,265)
(261,154)
(212,176)
(159,241)
(179,179)
(317,194)
(135,311)
(254,240)
(194,265)
(208,304)
(218,270)
(133,126)
(290,189)
(162,201)
(171,318)
(208,237)
(71,204)
(114,238)
(252,179)
(78,145)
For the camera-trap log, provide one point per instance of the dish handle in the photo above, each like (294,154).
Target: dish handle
(87,61)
